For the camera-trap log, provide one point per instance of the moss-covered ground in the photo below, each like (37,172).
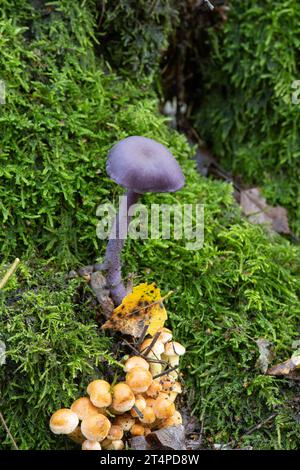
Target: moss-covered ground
(65,107)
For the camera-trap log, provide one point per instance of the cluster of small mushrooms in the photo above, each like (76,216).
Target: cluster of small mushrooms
(142,403)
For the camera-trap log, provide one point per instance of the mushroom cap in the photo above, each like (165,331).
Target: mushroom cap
(63,421)
(95,427)
(125,421)
(115,433)
(136,361)
(91,445)
(157,349)
(140,404)
(165,335)
(144,165)
(137,430)
(174,349)
(173,420)
(123,398)
(99,392)
(148,415)
(83,407)
(163,407)
(138,379)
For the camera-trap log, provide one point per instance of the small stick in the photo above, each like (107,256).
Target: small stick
(132,347)
(8,431)
(165,372)
(9,273)
(142,336)
(148,349)
(138,412)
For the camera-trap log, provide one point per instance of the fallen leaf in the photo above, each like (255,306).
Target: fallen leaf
(289,369)
(172,437)
(255,207)
(143,306)
(266,354)
(139,443)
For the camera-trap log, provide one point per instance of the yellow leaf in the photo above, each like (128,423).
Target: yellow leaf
(143,306)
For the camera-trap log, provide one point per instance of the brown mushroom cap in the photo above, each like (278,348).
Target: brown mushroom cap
(83,407)
(163,406)
(138,379)
(156,350)
(95,427)
(63,421)
(115,433)
(174,349)
(148,415)
(125,421)
(137,430)
(123,398)
(154,389)
(140,404)
(99,392)
(165,335)
(173,420)
(136,361)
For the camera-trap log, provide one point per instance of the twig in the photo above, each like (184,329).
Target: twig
(8,431)
(146,351)
(145,329)
(138,412)
(9,273)
(256,427)
(165,372)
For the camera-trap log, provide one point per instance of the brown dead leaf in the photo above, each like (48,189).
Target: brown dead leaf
(172,437)
(289,369)
(143,306)
(257,210)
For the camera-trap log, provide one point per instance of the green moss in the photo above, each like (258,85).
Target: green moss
(64,110)
(248,114)
(53,350)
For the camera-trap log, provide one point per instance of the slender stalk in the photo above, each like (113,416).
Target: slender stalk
(116,242)
(9,273)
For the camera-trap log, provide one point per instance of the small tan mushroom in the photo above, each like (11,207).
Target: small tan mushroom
(64,421)
(148,415)
(99,392)
(91,445)
(165,335)
(154,389)
(107,444)
(123,398)
(137,430)
(172,353)
(163,406)
(136,361)
(138,379)
(140,404)
(174,420)
(95,427)
(125,421)
(154,354)
(115,433)
(84,407)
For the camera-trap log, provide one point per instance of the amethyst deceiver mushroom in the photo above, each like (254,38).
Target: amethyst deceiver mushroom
(140,165)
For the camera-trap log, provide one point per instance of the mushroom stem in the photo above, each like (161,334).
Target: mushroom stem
(116,242)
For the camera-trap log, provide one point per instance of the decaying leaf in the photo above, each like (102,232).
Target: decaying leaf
(255,207)
(143,306)
(289,369)
(172,437)
(266,354)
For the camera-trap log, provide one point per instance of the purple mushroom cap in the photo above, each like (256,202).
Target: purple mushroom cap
(143,165)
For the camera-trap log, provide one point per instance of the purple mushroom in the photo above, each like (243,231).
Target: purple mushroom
(140,165)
